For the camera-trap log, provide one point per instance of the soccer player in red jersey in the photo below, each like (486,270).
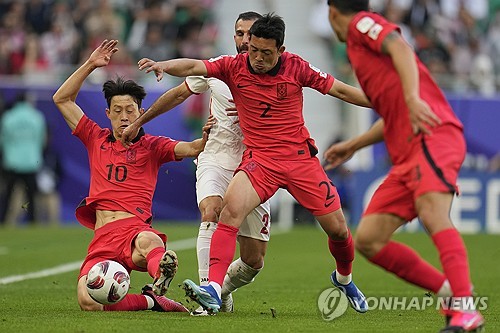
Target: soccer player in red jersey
(118,207)
(266,85)
(214,170)
(425,141)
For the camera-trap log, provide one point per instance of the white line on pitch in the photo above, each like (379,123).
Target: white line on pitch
(183,244)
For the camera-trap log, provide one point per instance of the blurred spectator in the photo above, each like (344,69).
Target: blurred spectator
(22,139)
(48,180)
(38,15)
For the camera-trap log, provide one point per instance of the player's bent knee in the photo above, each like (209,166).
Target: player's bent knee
(256,261)
(146,241)
(364,244)
(209,215)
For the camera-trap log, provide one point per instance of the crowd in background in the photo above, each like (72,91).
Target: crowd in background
(459,40)
(42,36)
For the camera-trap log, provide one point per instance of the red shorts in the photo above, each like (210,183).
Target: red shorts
(115,241)
(304,179)
(433,167)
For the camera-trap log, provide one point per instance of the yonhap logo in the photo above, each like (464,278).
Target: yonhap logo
(332,303)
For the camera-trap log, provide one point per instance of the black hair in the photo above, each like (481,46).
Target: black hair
(248,16)
(120,87)
(350,6)
(269,26)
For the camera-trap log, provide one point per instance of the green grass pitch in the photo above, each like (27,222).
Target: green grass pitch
(297,270)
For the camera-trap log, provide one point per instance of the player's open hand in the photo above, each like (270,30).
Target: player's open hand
(152,66)
(129,134)
(208,126)
(422,118)
(102,54)
(337,154)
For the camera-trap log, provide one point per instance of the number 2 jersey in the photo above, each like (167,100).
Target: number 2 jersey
(121,179)
(270,105)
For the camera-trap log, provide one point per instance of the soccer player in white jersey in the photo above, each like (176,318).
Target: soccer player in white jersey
(215,168)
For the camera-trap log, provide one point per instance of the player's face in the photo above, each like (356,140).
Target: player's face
(122,112)
(263,54)
(242,35)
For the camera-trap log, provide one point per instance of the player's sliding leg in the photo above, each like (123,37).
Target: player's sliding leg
(131,302)
(148,300)
(162,266)
(341,247)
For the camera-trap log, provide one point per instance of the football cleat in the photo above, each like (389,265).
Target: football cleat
(206,296)
(227,304)
(463,322)
(165,273)
(354,295)
(162,303)
(199,312)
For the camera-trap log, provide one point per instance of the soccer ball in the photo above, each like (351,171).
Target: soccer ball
(108,282)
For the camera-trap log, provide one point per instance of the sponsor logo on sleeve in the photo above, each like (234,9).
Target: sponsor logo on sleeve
(219,58)
(317,70)
(375,31)
(365,24)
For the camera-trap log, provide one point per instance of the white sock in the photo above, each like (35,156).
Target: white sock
(217,287)
(445,290)
(238,275)
(343,279)
(203,249)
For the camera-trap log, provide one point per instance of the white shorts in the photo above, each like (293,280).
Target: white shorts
(213,180)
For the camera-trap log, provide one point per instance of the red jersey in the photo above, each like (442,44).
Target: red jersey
(381,83)
(270,105)
(121,179)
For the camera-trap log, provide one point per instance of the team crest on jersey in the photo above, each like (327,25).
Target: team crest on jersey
(281,91)
(251,166)
(131,153)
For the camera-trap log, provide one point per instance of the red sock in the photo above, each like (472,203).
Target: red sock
(131,302)
(153,258)
(222,249)
(343,252)
(453,256)
(408,265)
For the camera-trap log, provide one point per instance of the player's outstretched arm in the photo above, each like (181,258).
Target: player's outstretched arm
(181,67)
(65,96)
(194,148)
(166,102)
(349,94)
(341,152)
(422,117)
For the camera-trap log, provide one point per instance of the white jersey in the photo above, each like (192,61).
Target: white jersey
(224,146)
